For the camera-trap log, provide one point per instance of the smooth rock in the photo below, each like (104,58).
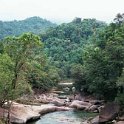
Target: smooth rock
(93,108)
(58,103)
(120,122)
(80,105)
(95,120)
(121,118)
(21,113)
(96,102)
(109,112)
(85,122)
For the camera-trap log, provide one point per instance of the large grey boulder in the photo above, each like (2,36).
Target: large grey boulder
(97,102)
(95,120)
(121,118)
(80,105)
(58,103)
(21,113)
(109,112)
(92,120)
(93,108)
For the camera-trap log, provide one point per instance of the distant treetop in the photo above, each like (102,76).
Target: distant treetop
(33,24)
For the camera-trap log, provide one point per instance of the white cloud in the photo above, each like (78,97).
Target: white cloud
(60,10)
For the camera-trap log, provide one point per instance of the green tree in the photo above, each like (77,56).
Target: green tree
(6,76)
(64,43)
(20,57)
(78,74)
(15,28)
(103,62)
(99,73)
(22,50)
(120,95)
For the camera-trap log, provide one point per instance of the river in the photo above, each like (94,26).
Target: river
(64,117)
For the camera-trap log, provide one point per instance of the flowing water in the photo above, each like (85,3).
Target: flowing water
(64,117)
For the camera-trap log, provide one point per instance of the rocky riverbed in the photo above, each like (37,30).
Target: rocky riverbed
(46,103)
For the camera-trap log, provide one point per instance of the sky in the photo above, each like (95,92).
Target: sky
(59,11)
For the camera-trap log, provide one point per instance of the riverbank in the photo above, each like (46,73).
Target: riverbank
(40,104)
(45,103)
(21,113)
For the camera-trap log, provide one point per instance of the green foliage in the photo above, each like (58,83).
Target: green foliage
(22,57)
(120,81)
(6,76)
(120,99)
(21,50)
(1,47)
(40,81)
(22,65)
(99,76)
(53,74)
(42,76)
(88,51)
(120,95)
(34,24)
(63,44)
(103,62)
(78,73)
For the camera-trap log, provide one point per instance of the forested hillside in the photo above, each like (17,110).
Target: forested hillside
(103,63)
(64,44)
(61,62)
(89,51)
(33,24)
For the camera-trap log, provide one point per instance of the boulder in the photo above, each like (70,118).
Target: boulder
(100,108)
(80,105)
(93,108)
(92,120)
(85,122)
(120,122)
(58,103)
(96,102)
(121,118)
(21,113)
(95,120)
(109,112)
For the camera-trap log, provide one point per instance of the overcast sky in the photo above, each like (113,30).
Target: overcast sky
(60,10)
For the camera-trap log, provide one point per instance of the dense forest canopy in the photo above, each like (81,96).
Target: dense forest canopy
(88,51)
(64,44)
(33,24)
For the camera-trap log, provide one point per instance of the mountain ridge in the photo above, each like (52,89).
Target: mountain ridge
(33,24)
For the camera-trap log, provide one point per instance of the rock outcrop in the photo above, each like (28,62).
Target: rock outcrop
(121,118)
(95,120)
(93,108)
(58,102)
(120,122)
(80,105)
(21,113)
(109,112)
